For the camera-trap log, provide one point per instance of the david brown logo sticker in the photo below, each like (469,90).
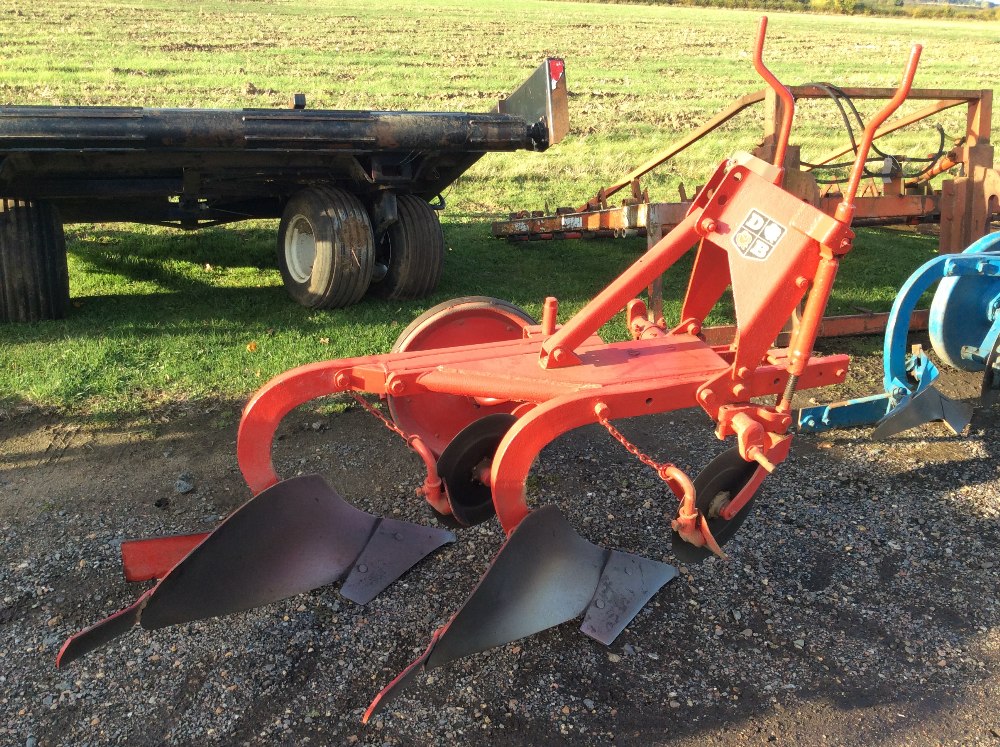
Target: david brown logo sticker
(758,236)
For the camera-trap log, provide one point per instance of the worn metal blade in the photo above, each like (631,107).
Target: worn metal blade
(293,537)
(627,583)
(394,548)
(545,574)
(100,633)
(926,406)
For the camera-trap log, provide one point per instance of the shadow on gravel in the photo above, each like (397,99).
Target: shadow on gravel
(858,606)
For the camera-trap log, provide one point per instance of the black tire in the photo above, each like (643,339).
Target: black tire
(411,252)
(34,279)
(326,250)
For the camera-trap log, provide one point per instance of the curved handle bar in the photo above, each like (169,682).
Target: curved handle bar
(783,93)
(845,210)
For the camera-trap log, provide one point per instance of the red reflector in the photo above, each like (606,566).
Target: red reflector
(556,69)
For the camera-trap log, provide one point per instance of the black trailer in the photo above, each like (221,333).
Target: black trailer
(357,191)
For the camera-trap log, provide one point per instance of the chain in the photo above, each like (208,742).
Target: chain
(662,469)
(371,408)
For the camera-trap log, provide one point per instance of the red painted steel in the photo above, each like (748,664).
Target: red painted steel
(464,321)
(773,249)
(788,108)
(144,560)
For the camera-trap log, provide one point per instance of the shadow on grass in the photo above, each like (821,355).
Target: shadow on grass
(231,273)
(156,282)
(205,313)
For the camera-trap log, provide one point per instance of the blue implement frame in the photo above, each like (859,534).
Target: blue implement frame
(907,375)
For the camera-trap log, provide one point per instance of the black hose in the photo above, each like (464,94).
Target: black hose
(839,97)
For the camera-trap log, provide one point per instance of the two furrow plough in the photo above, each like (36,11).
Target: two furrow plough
(477,389)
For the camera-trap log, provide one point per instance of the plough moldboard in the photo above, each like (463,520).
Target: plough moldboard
(477,388)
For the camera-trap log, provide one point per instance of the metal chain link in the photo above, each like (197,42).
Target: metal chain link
(660,467)
(371,408)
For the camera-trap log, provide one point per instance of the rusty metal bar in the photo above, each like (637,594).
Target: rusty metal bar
(951,98)
(899,124)
(916,94)
(850,325)
(676,147)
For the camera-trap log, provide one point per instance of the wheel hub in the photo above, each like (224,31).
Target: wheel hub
(300,249)
(715,486)
(463,462)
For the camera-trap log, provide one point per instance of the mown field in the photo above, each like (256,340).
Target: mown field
(159,314)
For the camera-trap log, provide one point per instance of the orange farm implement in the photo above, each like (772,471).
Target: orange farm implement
(477,389)
(964,205)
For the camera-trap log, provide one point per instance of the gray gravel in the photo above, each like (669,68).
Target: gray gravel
(859,605)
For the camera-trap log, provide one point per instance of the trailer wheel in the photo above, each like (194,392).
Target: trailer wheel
(410,255)
(34,279)
(326,250)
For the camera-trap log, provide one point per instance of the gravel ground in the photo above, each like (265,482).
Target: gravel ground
(859,605)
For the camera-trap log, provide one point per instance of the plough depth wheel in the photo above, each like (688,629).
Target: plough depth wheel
(438,417)
(716,486)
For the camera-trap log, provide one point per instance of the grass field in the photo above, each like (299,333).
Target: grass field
(162,314)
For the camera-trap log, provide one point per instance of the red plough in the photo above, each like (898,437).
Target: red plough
(477,389)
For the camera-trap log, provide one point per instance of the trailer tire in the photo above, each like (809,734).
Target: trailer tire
(326,250)
(411,252)
(34,279)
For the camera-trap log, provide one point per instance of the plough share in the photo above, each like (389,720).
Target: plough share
(477,389)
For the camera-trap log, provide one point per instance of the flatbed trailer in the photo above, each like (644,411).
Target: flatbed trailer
(355,190)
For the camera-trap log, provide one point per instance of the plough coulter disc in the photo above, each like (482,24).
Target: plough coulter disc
(465,462)
(721,480)
(437,417)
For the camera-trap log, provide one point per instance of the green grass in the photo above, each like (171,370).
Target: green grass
(163,314)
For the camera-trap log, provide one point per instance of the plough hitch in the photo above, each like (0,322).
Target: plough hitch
(477,388)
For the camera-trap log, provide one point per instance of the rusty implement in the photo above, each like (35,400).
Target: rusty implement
(293,537)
